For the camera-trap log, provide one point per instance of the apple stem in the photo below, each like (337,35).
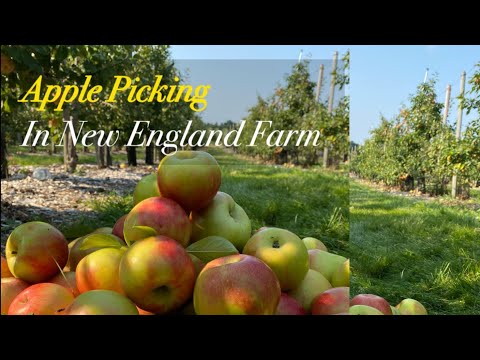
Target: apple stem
(276,244)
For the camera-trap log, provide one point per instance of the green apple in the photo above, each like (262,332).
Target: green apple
(80,248)
(99,270)
(312,243)
(146,188)
(411,307)
(222,217)
(324,262)
(341,276)
(36,251)
(157,274)
(311,286)
(363,310)
(372,300)
(284,252)
(41,299)
(191,178)
(101,302)
(395,311)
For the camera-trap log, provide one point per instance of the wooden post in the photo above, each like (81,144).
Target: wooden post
(319,82)
(447,103)
(459,127)
(330,101)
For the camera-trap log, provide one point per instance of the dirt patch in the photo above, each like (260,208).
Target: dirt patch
(63,197)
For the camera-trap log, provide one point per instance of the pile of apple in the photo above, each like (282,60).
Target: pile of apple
(184,248)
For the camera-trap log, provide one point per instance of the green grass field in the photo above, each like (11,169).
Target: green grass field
(405,247)
(308,203)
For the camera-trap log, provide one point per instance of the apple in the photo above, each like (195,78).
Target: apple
(236,285)
(36,251)
(374,301)
(332,301)
(311,286)
(324,262)
(41,299)
(341,276)
(363,310)
(118,227)
(79,250)
(11,287)
(289,306)
(191,178)
(157,216)
(146,188)
(222,217)
(312,243)
(68,280)
(158,274)
(284,252)
(100,270)
(5,270)
(395,311)
(101,302)
(411,307)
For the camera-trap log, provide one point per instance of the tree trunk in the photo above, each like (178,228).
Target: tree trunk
(70,157)
(132,155)
(109,156)
(99,154)
(149,154)
(3,154)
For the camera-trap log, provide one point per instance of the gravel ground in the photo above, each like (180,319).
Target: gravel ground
(62,197)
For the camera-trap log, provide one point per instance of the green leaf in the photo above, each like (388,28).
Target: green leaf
(141,232)
(101,241)
(212,247)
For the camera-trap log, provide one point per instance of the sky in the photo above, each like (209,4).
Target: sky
(381,77)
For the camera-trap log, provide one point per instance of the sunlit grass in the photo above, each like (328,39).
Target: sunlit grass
(403,247)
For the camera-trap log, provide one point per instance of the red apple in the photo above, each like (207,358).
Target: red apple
(374,301)
(157,274)
(289,306)
(332,301)
(99,270)
(236,285)
(41,299)
(191,178)
(5,271)
(67,280)
(118,227)
(11,287)
(284,252)
(36,251)
(101,302)
(162,215)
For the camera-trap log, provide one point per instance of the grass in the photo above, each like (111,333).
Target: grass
(308,203)
(410,248)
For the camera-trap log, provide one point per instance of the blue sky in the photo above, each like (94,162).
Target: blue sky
(382,77)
